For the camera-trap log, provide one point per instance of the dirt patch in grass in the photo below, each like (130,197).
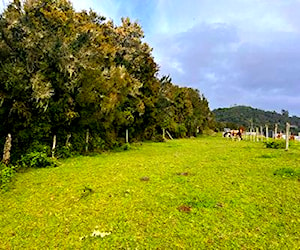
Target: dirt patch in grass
(145,178)
(185,209)
(183,174)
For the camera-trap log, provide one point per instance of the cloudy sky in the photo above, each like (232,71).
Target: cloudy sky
(236,52)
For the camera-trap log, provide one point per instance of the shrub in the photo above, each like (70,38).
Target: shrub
(36,159)
(64,152)
(157,138)
(6,175)
(286,172)
(209,132)
(97,143)
(276,144)
(180,130)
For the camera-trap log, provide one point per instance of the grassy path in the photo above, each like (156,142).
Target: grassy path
(206,193)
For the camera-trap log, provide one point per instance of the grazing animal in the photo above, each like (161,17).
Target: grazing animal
(227,133)
(237,134)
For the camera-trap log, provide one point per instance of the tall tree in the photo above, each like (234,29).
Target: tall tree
(63,72)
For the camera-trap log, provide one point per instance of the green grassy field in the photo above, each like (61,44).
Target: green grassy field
(205,193)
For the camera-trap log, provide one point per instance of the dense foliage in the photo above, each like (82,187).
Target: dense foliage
(247,116)
(64,73)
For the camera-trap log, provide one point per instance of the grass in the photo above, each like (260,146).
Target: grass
(205,193)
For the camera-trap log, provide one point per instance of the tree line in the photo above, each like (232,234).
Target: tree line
(64,72)
(247,117)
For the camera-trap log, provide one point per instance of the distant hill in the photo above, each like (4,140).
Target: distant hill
(245,116)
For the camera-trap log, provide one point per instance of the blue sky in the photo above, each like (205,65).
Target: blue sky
(236,52)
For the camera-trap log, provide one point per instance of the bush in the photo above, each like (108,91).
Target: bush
(275,144)
(125,147)
(180,130)
(97,143)
(157,138)
(120,148)
(36,159)
(64,152)
(6,175)
(209,132)
(286,172)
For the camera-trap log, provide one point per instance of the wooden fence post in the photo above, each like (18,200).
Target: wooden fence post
(257,134)
(6,150)
(249,135)
(68,140)
(164,133)
(53,146)
(87,140)
(276,130)
(267,132)
(127,137)
(261,133)
(287,135)
(169,134)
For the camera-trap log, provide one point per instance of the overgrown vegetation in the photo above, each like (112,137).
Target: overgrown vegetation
(204,193)
(64,73)
(276,144)
(6,175)
(287,172)
(36,159)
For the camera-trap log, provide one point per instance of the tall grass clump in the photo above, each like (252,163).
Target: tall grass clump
(6,175)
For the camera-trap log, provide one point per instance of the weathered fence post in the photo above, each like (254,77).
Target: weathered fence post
(6,150)
(261,133)
(127,136)
(87,140)
(287,135)
(68,140)
(276,130)
(164,134)
(257,134)
(267,132)
(53,146)
(169,134)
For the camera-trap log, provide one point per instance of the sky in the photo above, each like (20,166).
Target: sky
(235,52)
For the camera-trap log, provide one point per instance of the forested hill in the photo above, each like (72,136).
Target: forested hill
(244,116)
(81,79)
